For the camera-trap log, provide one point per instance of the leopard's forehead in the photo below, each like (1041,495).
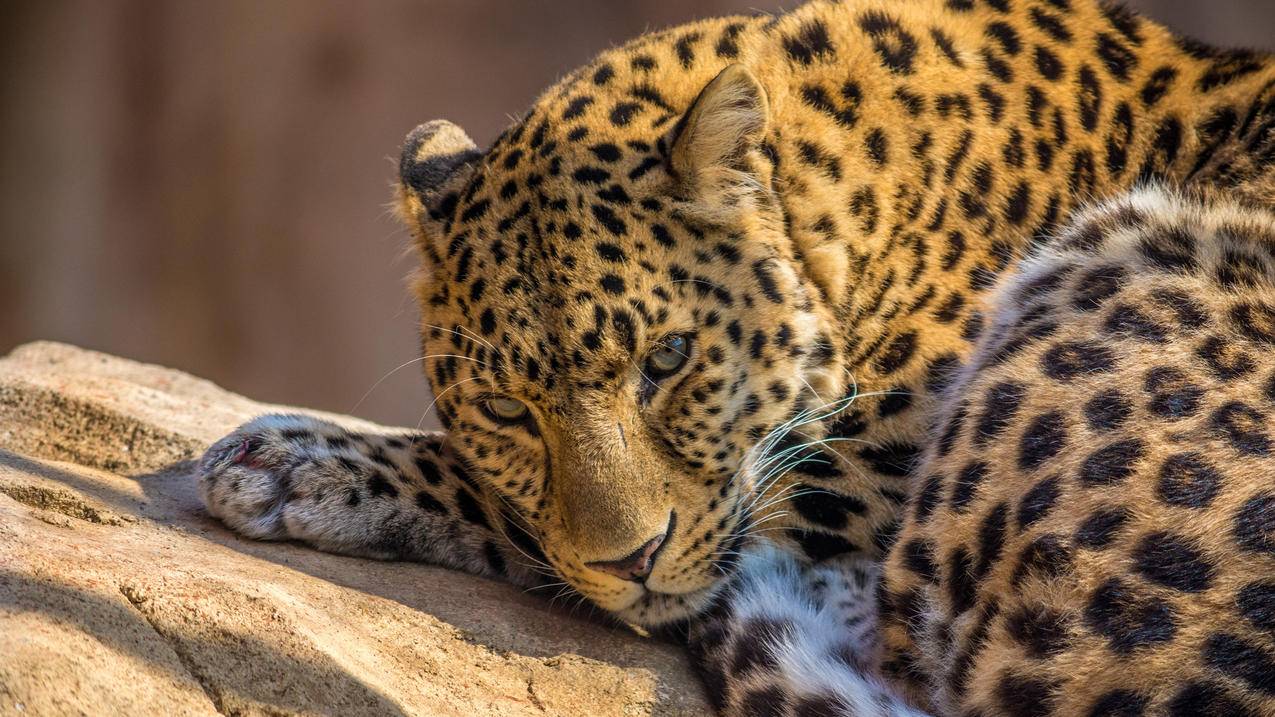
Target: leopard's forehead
(548,249)
(581,277)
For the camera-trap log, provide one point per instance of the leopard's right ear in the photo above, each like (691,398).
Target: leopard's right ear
(437,159)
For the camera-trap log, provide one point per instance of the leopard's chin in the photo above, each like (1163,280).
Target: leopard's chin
(655,609)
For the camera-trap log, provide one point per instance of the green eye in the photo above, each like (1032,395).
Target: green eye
(507,409)
(671,355)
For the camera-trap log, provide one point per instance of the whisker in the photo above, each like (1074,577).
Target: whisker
(771,472)
(545,586)
(516,523)
(751,531)
(780,499)
(406,364)
(462,335)
(644,376)
(761,490)
(784,455)
(808,415)
(771,529)
(761,494)
(430,407)
(754,459)
(813,443)
(693,281)
(476,337)
(806,383)
(565,590)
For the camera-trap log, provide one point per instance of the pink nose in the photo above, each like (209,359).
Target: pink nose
(635,566)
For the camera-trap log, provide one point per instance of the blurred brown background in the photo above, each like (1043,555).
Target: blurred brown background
(204,184)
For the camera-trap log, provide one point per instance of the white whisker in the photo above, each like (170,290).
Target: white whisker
(404,365)
(431,405)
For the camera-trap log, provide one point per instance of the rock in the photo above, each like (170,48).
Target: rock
(120,595)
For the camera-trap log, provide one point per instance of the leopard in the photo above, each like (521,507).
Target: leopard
(896,357)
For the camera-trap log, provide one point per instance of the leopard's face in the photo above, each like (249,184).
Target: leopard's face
(611,347)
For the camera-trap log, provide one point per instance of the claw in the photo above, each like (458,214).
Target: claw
(245,447)
(226,453)
(245,453)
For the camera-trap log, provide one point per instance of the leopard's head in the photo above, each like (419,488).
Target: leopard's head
(616,329)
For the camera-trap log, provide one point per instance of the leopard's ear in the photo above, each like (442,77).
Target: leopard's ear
(715,142)
(437,159)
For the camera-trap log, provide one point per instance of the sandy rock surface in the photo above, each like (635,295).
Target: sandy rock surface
(120,595)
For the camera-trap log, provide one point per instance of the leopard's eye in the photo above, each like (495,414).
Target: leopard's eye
(507,409)
(671,354)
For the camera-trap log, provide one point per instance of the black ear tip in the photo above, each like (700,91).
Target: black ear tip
(432,153)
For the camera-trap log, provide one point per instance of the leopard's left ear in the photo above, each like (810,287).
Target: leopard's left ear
(437,159)
(715,143)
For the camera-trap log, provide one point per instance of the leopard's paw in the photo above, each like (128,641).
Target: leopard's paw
(245,479)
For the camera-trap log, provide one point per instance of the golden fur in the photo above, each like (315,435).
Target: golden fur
(820,205)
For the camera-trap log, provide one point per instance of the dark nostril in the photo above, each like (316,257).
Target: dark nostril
(634,566)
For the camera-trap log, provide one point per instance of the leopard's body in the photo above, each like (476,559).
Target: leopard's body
(1117,550)
(829,210)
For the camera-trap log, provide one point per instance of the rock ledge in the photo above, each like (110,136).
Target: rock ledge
(120,595)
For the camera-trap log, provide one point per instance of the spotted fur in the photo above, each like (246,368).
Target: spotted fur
(1114,553)
(290,477)
(787,636)
(821,205)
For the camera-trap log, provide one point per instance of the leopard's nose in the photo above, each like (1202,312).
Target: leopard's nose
(636,565)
